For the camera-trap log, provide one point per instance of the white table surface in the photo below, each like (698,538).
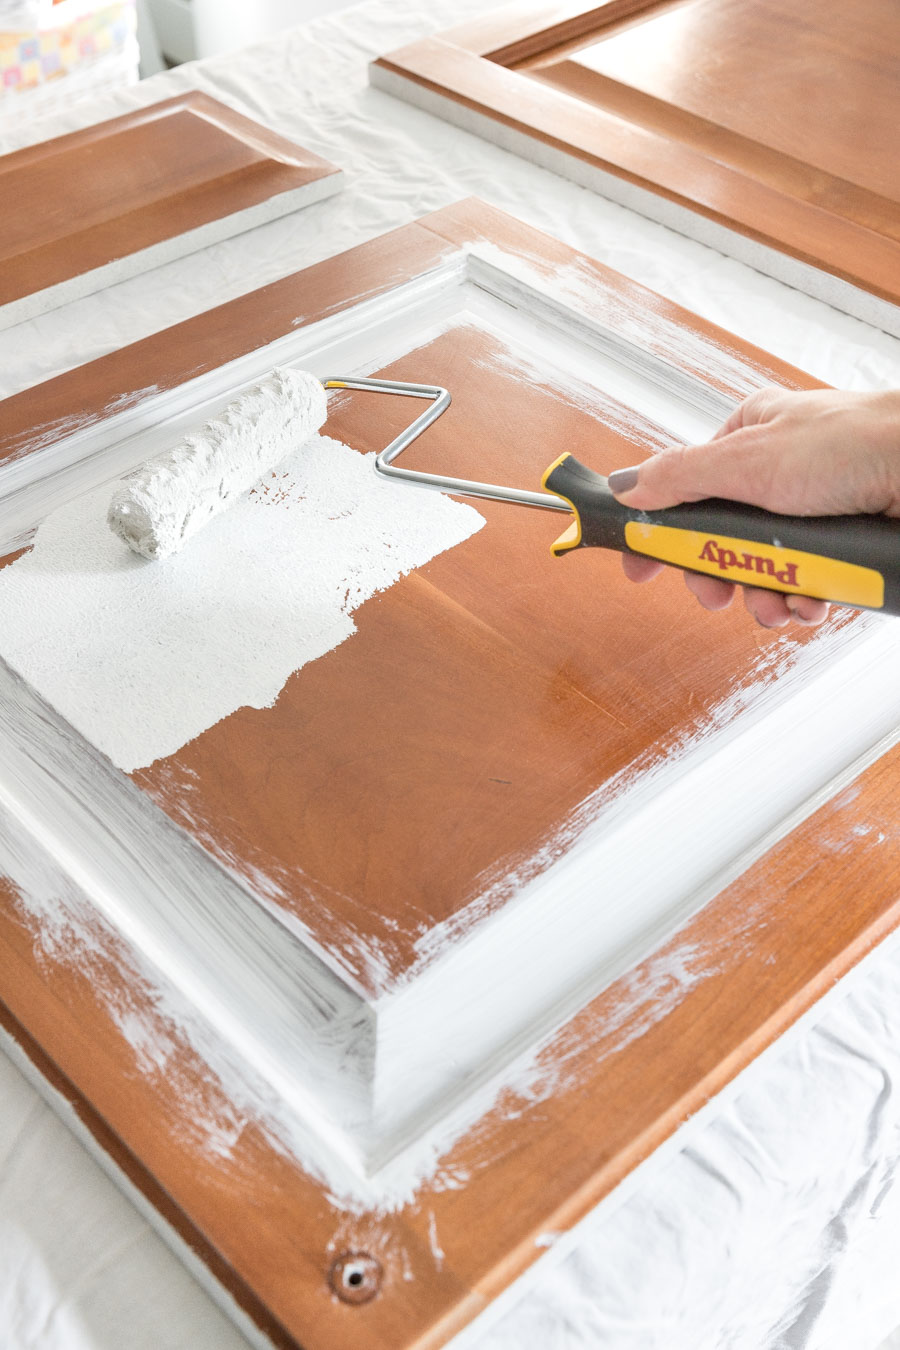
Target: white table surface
(776,1226)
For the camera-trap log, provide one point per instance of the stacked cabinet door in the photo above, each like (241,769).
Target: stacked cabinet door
(767,130)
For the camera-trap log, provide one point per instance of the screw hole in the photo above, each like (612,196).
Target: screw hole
(356,1277)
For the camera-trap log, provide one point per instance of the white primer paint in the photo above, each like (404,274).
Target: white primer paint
(142,657)
(162,503)
(369,1089)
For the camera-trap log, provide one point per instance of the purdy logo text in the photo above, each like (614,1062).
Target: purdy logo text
(727,560)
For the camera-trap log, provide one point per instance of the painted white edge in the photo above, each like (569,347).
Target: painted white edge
(167,250)
(802,276)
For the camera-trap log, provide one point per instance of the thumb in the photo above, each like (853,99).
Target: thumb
(732,466)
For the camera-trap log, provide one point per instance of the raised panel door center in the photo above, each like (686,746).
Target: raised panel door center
(817,82)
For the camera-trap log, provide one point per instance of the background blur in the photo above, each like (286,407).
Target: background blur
(54,52)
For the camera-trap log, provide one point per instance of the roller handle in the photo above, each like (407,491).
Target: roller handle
(848,560)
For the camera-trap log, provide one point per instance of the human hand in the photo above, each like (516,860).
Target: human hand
(813,453)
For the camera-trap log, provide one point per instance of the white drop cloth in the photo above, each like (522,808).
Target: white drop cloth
(778,1226)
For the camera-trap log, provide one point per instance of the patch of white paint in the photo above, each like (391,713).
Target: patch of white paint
(142,657)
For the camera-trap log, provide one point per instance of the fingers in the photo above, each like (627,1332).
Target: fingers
(740,465)
(815,452)
(640,569)
(768,453)
(806,610)
(770,609)
(758,407)
(710,591)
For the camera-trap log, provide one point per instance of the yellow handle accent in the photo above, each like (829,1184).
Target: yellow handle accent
(570,538)
(753,564)
(571,535)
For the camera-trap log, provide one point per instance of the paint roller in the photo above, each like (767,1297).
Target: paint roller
(162,503)
(847,560)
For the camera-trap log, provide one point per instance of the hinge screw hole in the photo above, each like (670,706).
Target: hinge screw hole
(356,1277)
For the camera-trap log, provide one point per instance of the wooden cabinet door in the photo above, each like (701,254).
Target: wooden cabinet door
(370,985)
(117,198)
(767,130)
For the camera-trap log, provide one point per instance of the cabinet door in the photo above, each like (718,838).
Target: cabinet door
(534,854)
(767,130)
(186,172)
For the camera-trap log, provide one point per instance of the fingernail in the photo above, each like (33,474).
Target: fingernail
(792,602)
(623,480)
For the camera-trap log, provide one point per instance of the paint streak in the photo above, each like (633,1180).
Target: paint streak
(48,435)
(718,366)
(437,1250)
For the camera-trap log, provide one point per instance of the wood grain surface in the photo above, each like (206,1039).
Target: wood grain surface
(519,685)
(108,191)
(698,102)
(487,625)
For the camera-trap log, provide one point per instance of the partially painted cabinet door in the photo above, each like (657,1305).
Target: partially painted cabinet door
(766,129)
(431,880)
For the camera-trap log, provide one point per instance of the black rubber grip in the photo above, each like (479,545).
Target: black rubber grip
(851,560)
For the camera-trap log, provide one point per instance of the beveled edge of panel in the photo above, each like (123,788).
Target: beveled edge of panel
(770,944)
(193,100)
(459,77)
(518,31)
(32,284)
(31,304)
